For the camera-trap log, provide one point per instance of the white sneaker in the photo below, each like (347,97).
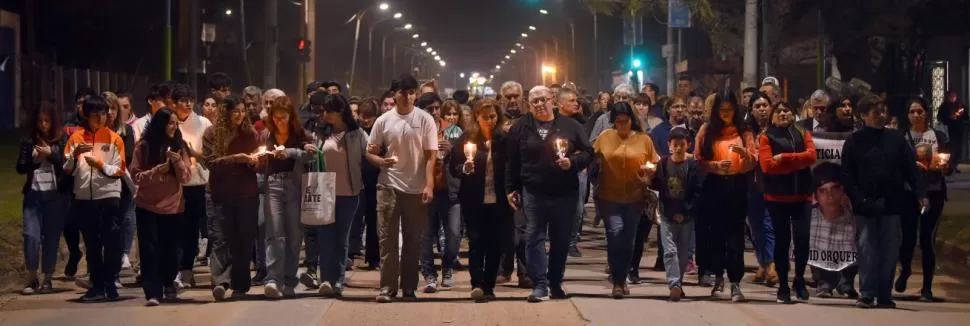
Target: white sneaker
(271,291)
(186,278)
(118,284)
(125,262)
(326,289)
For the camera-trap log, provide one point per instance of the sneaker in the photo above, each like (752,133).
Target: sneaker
(152,303)
(824,293)
(676,293)
(574,251)
(93,295)
(718,290)
(557,292)
(771,275)
(865,303)
(271,291)
(289,292)
(385,296)
(801,291)
(634,278)
(736,295)
(31,287)
(259,277)
(408,295)
(46,287)
(171,292)
(691,267)
(849,292)
(538,295)
(886,304)
(431,285)
(219,293)
(617,291)
(125,262)
(447,281)
(901,281)
(111,293)
(784,295)
(236,295)
(186,279)
(84,283)
(309,280)
(926,296)
(326,289)
(478,295)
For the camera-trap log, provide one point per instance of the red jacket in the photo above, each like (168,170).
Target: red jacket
(787,179)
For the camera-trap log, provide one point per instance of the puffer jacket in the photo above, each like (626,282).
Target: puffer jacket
(103,179)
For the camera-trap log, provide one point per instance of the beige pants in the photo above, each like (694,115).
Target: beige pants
(399,211)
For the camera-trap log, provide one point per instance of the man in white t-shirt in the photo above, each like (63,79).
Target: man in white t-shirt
(158,97)
(192,127)
(405,186)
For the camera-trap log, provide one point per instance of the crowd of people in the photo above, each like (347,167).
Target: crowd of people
(825,185)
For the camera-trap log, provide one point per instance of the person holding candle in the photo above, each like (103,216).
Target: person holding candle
(953,114)
(628,160)
(786,153)
(933,161)
(227,150)
(542,180)
(726,151)
(480,165)
(409,138)
(160,167)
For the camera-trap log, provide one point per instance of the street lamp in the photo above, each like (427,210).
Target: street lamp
(442,63)
(437,58)
(461,75)
(508,57)
(423,44)
(397,15)
(430,50)
(228,12)
(512,51)
(384,6)
(532,28)
(407,26)
(358,17)
(415,36)
(543,11)
(525,35)
(498,67)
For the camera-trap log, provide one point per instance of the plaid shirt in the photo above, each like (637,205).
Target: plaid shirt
(832,245)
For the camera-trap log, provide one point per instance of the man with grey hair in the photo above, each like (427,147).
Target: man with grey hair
(622,93)
(771,89)
(820,102)
(569,107)
(252,97)
(510,97)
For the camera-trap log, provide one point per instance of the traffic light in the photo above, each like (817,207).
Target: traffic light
(637,63)
(304,49)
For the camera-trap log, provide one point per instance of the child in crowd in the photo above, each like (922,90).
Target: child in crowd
(678,179)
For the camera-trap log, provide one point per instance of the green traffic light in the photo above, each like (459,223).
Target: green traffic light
(636,63)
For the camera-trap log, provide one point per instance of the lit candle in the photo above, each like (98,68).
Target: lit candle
(649,166)
(942,158)
(261,150)
(470,150)
(561,146)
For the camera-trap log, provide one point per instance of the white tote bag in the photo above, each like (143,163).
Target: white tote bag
(319,195)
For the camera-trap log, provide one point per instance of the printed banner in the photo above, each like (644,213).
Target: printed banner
(832,243)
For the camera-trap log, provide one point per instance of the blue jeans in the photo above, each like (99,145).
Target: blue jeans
(333,240)
(878,245)
(548,217)
(622,222)
(259,251)
(677,240)
(762,230)
(44,215)
(127,220)
(284,232)
(444,213)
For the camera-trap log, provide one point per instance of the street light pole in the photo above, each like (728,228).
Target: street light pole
(353,61)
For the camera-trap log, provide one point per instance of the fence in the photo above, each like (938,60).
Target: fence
(43,81)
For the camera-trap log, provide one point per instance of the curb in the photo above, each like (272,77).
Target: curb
(953,256)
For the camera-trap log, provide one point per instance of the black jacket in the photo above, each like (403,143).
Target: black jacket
(531,160)
(692,188)
(26,165)
(471,188)
(782,141)
(878,170)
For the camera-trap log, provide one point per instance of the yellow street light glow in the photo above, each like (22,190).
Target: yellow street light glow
(397,15)
(442,63)
(424,43)
(407,26)
(543,11)
(430,50)
(548,69)
(532,28)
(416,36)
(525,35)
(384,6)
(512,51)
(508,57)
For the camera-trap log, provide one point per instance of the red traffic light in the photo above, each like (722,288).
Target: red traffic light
(301,45)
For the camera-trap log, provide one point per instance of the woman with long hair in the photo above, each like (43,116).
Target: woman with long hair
(341,144)
(485,208)
(931,148)
(160,167)
(725,149)
(117,123)
(227,150)
(282,193)
(762,230)
(46,194)
(625,152)
(786,154)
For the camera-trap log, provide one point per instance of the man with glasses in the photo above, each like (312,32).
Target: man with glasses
(622,93)
(820,102)
(405,186)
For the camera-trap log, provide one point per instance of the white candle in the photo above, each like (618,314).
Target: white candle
(561,146)
(470,150)
(649,165)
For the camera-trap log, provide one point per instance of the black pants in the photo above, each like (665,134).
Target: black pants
(646,223)
(720,234)
(513,248)
(158,236)
(72,237)
(489,226)
(190,229)
(790,219)
(843,280)
(232,236)
(100,223)
(956,145)
(925,226)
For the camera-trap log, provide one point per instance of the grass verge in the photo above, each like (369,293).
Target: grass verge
(11,200)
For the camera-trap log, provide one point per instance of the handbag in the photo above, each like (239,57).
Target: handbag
(319,194)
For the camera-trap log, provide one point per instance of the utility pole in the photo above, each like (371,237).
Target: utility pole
(167,46)
(272,42)
(671,70)
(309,68)
(750,76)
(596,51)
(195,37)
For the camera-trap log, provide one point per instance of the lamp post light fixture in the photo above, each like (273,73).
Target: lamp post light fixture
(228,12)
(434,53)
(423,44)
(508,57)
(461,75)
(512,51)
(416,36)
(437,58)
(398,15)
(384,6)
(532,28)
(543,11)
(429,49)
(407,26)
(442,63)
(498,67)
(525,35)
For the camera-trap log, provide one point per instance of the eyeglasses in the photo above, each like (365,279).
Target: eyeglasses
(539,100)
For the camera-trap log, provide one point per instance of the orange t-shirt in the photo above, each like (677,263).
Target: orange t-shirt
(722,150)
(621,160)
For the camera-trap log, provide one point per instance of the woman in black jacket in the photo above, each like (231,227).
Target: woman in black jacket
(46,195)
(478,159)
